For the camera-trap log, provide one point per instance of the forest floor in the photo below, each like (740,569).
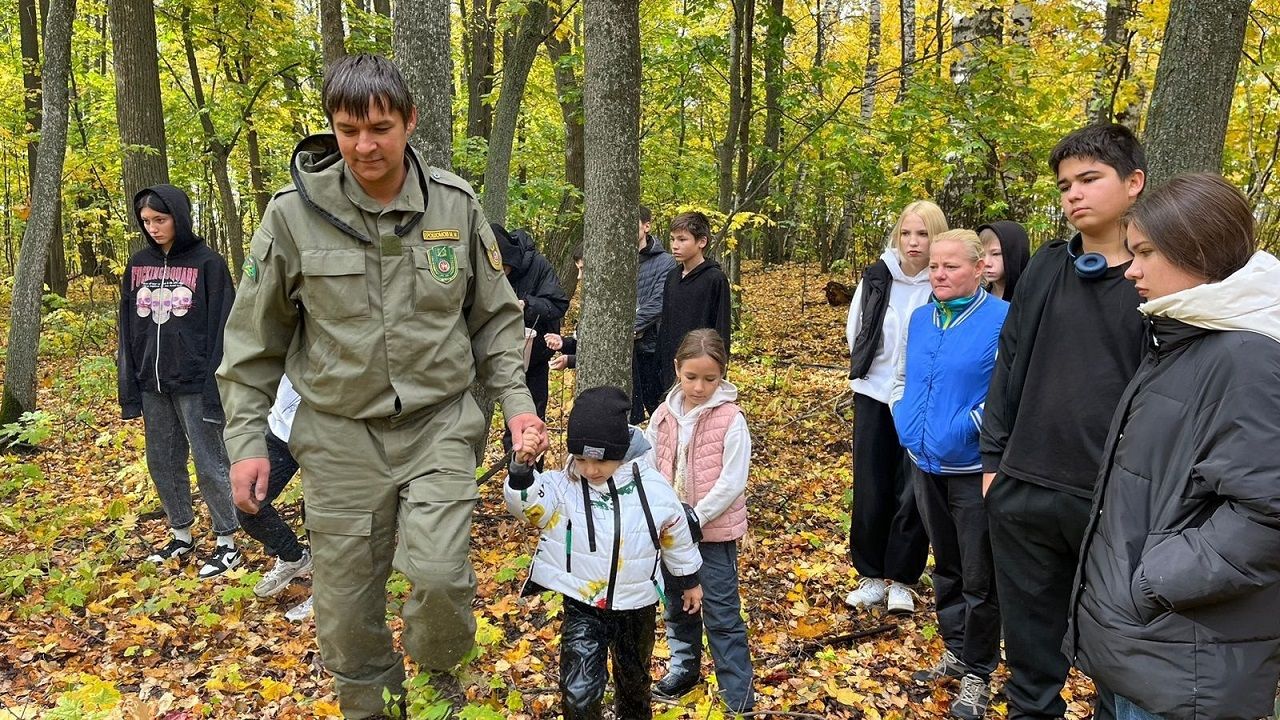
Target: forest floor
(87,631)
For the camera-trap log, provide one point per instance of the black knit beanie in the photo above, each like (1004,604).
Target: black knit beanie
(507,245)
(598,426)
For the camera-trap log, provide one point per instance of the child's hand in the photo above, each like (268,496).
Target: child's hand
(559,362)
(693,600)
(528,447)
(553,341)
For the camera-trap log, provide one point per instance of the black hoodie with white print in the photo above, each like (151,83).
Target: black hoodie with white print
(173,308)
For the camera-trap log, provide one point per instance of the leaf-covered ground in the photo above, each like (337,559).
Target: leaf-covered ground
(87,631)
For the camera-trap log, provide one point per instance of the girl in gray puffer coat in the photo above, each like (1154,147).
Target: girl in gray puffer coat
(1179,578)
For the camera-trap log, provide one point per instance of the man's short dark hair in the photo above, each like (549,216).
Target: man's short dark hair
(693,222)
(645,215)
(1108,143)
(357,82)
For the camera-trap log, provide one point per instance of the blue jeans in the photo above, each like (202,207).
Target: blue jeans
(726,632)
(1126,710)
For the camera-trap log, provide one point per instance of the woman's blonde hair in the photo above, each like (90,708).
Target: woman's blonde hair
(935,221)
(968,239)
(703,343)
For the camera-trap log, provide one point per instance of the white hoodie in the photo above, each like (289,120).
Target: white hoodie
(1248,299)
(737,450)
(905,295)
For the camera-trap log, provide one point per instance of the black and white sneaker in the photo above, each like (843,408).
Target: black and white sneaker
(175,549)
(224,558)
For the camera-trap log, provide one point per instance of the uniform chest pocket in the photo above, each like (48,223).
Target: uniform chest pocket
(333,285)
(439,277)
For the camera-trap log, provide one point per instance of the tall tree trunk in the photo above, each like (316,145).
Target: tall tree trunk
(872,70)
(139,110)
(480,67)
(517,59)
(612,102)
(775,51)
(420,39)
(332,33)
(561,242)
(726,152)
(218,151)
(257,181)
(24,312)
(55,272)
(907,46)
(1115,60)
(1196,77)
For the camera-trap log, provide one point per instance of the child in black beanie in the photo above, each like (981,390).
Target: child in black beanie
(607,519)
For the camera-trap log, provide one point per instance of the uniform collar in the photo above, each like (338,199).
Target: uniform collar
(410,198)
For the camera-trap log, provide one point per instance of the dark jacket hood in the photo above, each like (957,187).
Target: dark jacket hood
(1016,249)
(316,170)
(184,238)
(520,249)
(652,247)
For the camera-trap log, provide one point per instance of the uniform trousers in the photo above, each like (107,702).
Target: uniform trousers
(588,635)
(363,480)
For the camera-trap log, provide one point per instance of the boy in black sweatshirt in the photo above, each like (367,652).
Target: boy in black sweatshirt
(696,294)
(1070,344)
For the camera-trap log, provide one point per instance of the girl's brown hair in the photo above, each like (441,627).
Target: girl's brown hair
(703,343)
(1200,223)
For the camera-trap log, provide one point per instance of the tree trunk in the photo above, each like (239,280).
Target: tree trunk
(561,242)
(1195,80)
(332,33)
(517,59)
(55,272)
(612,103)
(24,311)
(726,152)
(907,46)
(1115,60)
(382,7)
(261,196)
(420,40)
(479,60)
(872,70)
(775,51)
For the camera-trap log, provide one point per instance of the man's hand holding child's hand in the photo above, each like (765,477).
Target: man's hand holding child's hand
(693,599)
(528,451)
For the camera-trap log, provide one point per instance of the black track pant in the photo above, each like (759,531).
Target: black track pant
(886,536)
(587,636)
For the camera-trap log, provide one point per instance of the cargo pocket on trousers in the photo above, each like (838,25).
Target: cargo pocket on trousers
(334,284)
(341,539)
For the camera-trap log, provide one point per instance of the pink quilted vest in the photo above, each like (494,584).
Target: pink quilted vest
(706,456)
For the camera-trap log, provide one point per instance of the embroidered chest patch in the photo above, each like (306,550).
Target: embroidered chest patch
(443,263)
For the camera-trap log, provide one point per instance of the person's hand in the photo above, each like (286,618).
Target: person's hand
(524,455)
(553,341)
(559,362)
(249,483)
(521,304)
(519,424)
(987,479)
(693,600)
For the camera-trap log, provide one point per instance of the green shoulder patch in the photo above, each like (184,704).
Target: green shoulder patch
(443,263)
(251,268)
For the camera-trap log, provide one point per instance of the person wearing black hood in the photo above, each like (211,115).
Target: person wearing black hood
(175,296)
(1007,252)
(696,294)
(543,301)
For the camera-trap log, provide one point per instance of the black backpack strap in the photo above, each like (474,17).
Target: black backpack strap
(644,505)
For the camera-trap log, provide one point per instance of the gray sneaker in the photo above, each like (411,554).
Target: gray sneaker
(278,577)
(948,667)
(300,612)
(972,700)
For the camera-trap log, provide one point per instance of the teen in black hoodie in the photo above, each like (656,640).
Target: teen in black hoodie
(696,294)
(1015,252)
(174,300)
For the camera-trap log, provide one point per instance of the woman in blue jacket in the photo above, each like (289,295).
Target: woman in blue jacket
(937,409)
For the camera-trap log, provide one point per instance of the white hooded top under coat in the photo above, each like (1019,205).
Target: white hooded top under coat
(1248,300)
(906,293)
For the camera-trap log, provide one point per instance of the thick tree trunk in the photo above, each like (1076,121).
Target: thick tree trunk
(332,33)
(562,241)
(517,59)
(24,312)
(480,67)
(872,69)
(1195,80)
(612,103)
(55,272)
(420,39)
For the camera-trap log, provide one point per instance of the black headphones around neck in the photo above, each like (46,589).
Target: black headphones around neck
(1088,265)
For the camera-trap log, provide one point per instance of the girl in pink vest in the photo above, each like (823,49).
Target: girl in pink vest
(702,447)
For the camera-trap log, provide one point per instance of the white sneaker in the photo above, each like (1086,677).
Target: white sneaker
(224,558)
(300,612)
(278,577)
(870,591)
(901,599)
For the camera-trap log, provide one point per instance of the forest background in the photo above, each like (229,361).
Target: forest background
(801,128)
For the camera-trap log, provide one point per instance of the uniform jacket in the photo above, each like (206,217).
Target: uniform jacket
(597,545)
(901,296)
(711,442)
(172,312)
(375,312)
(654,264)
(942,383)
(1179,581)
(535,282)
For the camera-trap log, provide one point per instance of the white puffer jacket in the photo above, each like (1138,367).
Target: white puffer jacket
(583,555)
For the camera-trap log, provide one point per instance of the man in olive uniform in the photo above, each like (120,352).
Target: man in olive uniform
(376,282)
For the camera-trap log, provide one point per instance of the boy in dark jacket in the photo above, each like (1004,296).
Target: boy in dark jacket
(174,300)
(652,268)
(1070,344)
(542,299)
(696,293)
